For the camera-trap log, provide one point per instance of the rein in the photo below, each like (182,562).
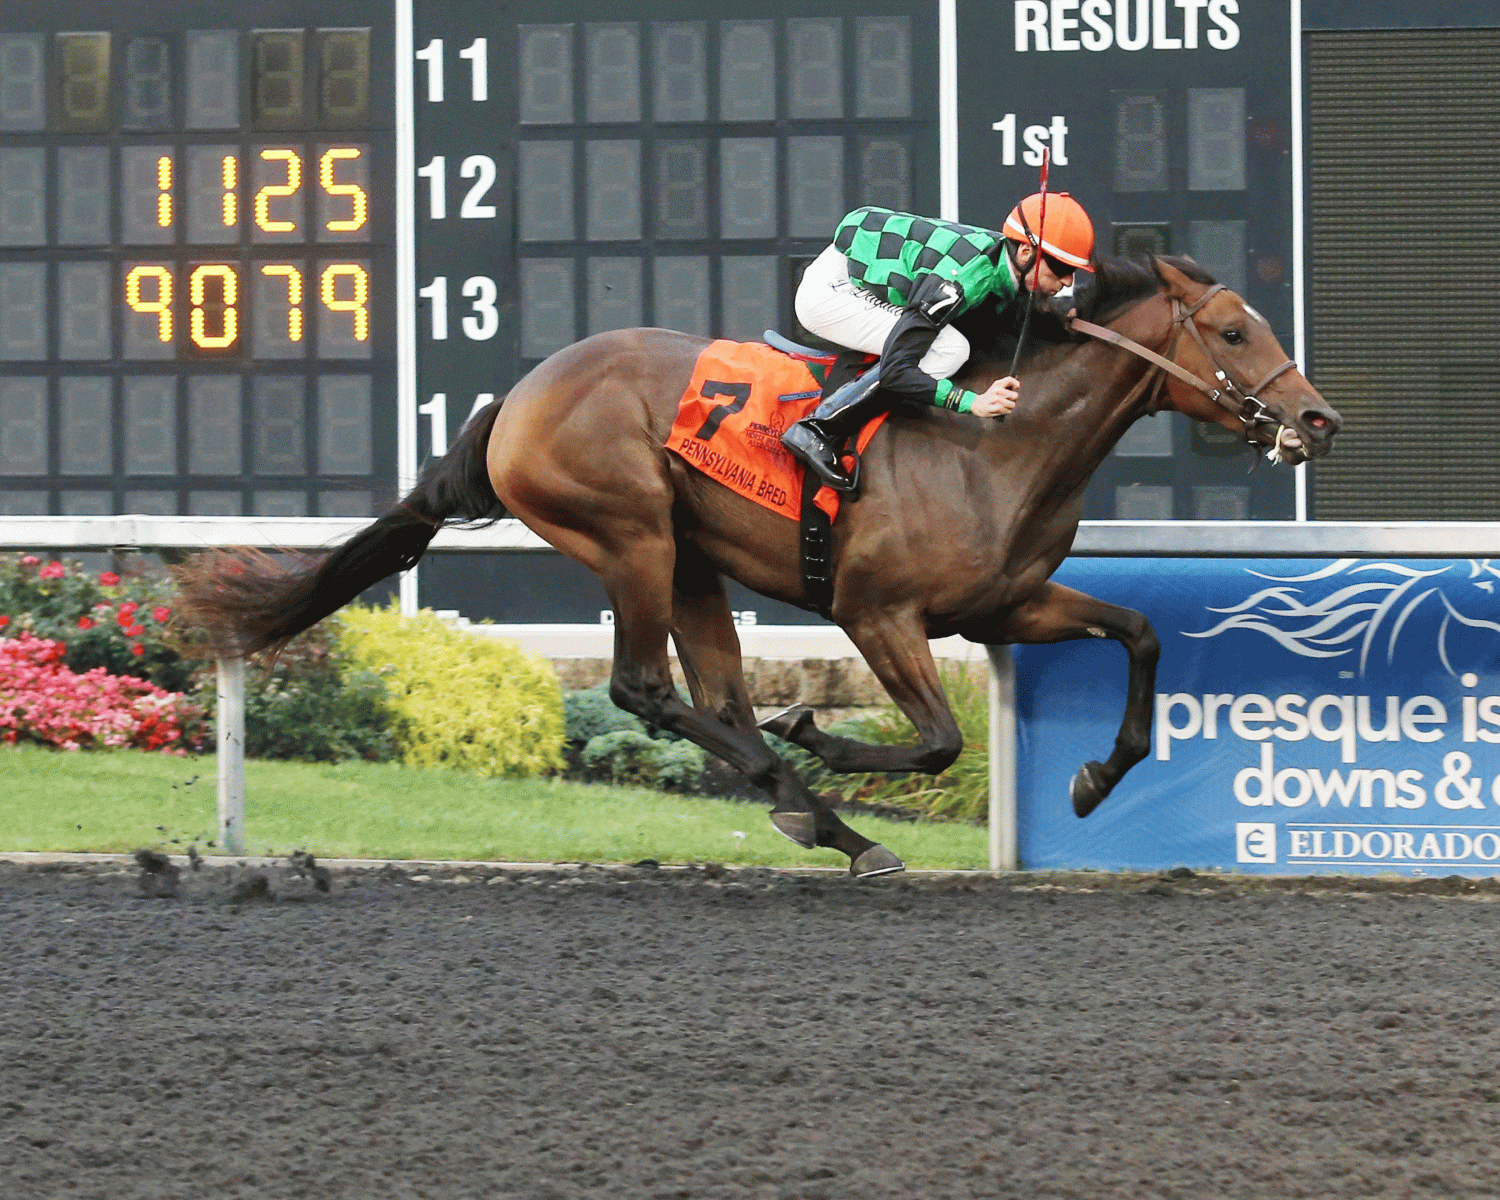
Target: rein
(1244,403)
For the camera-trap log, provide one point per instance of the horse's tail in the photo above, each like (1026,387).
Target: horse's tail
(247,601)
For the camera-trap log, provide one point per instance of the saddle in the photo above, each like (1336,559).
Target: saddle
(838,366)
(795,350)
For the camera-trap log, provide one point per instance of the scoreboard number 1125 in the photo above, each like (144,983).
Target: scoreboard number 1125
(272,297)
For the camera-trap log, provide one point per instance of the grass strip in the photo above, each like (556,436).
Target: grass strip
(118,801)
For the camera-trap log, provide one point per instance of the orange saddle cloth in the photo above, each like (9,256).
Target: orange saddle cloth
(742,398)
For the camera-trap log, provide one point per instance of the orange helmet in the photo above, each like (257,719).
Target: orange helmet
(1069,235)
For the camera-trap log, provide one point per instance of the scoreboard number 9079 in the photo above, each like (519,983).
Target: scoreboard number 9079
(284,307)
(197,257)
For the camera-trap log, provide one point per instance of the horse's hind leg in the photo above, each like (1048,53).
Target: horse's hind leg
(1060,614)
(709,650)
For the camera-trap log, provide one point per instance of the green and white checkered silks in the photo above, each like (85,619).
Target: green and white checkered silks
(888,250)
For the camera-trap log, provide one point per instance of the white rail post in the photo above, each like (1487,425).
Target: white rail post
(231,731)
(1002,759)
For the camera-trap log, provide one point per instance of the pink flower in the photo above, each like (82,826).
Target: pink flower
(161,612)
(41,700)
(85,622)
(124,619)
(135,631)
(108,578)
(29,560)
(53,570)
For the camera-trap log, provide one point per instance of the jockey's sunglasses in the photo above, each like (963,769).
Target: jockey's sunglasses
(1062,270)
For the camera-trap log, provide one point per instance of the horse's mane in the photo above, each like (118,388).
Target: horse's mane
(993,329)
(1120,282)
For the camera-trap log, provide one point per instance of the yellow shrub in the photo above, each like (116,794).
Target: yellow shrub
(467,701)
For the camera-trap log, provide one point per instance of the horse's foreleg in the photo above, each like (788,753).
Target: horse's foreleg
(1060,614)
(709,650)
(895,647)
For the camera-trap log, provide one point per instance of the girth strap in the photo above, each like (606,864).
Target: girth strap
(815,550)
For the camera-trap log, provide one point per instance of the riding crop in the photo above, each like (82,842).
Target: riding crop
(1036,262)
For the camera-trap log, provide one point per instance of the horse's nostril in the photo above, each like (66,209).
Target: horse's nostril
(1315,421)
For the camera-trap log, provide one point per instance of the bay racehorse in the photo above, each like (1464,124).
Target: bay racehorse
(960,523)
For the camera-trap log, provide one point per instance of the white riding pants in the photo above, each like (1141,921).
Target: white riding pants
(833,306)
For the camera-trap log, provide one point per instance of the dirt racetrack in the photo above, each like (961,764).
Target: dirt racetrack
(704,1034)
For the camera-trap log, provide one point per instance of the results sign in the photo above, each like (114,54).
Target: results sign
(1171,121)
(197,218)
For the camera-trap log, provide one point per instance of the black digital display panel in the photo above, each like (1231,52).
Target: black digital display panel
(197,256)
(1172,123)
(582,169)
(668,167)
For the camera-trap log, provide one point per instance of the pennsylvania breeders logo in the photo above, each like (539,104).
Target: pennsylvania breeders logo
(766,436)
(1359,608)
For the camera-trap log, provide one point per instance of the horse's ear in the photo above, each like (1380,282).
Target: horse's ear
(1177,282)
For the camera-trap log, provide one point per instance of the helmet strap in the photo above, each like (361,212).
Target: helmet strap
(1036,250)
(1013,248)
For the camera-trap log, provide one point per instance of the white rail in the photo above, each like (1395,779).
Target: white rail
(136,532)
(231,757)
(1126,539)
(1147,539)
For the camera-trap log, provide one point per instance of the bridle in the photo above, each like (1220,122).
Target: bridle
(1244,403)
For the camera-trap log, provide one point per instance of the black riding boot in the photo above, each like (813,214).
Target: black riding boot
(814,440)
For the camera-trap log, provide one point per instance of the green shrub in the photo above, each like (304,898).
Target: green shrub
(315,704)
(679,765)
(464,700)
(590,712)
(959,793)
(622,757)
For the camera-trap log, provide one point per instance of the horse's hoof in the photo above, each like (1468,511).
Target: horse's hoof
(799,827)
(1088,788)
(877,860)
(788,722)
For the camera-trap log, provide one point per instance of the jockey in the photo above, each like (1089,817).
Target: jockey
(889,285)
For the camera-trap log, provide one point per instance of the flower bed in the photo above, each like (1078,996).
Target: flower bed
(41,700)
(103,620)
(87,661)
(99,659)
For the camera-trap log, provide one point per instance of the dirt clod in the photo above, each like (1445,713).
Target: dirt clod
(254,886)
(159,878)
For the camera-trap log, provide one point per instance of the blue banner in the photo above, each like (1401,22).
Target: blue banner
(1310,716)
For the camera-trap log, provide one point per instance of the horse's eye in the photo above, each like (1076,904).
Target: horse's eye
(1233,336)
